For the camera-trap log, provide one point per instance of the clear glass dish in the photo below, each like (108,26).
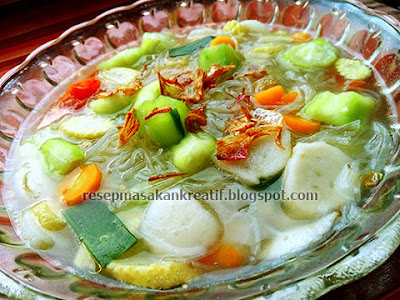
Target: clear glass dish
(344,256)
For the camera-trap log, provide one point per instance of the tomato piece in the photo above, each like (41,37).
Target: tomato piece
(85,88)
(78,93)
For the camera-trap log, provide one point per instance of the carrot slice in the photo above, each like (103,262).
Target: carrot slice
(301,37)
(81,181)
(226,256)
(78,93)
(289,97)
(299,124)
(271,96)
(357,83)
(223,40)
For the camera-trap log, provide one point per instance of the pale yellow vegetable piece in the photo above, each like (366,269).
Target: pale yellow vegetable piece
(119,77)
(33,233)
(47,218)
(150,91)
(235,28)
(270,49)
(275,38)
(156,276)
(352,69)
(85,127)
(132,218)
(245,27)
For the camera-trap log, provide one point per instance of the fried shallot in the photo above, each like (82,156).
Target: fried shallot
(195,119)
(129,129)
(245,129)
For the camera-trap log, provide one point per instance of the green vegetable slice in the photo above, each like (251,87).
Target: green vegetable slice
(110,104)
(191,47)
(102,232)
(125,58)
(174,103)
(165,129)
(194,152)
(149,92)
(318,53)
(156,42)
(222,54)
(115,78)
(339,109)
(152,43)
(177,120)
(60,156)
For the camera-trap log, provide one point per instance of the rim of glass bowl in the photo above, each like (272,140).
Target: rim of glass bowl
(333,249)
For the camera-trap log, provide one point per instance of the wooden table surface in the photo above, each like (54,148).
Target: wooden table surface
(25,25)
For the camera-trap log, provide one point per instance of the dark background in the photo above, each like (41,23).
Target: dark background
(13,4)
(27,24)
(394,3)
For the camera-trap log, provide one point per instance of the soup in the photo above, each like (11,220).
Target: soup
(201,151)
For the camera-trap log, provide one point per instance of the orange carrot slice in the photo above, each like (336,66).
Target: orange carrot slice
(289,97)
(299,124)
(76,186)
(271,96)
(357,83)
(223,40)
(226,256)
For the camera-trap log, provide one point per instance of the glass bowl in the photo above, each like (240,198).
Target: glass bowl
(341,257)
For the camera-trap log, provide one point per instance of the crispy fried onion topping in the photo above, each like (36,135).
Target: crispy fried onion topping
(129,129)
(214,72)
(242,99)
(253,72)
(245,129)
(186,86)
(196,118)
(157,111)
(129,90)
(190,86)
